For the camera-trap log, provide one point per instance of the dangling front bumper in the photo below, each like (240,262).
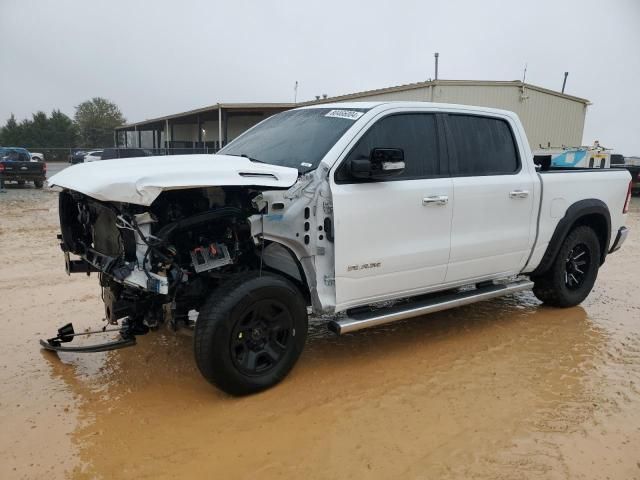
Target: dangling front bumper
(66,333)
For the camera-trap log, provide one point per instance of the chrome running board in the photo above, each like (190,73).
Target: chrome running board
(357,319)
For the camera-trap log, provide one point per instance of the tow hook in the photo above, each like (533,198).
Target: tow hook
(66,333)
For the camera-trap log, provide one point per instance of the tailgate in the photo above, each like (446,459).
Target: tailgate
(22,168)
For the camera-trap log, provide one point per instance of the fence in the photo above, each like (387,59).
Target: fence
(75,155)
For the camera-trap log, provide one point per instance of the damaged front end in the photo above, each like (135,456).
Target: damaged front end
(156,263)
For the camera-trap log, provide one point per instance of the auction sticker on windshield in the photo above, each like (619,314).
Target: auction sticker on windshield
(348,114)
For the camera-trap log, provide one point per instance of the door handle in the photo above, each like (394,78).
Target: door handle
(435,200)
(519,194)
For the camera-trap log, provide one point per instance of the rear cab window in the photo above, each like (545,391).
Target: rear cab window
(481,146)
(14,155)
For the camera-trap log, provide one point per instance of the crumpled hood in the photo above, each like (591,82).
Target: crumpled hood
(140,180)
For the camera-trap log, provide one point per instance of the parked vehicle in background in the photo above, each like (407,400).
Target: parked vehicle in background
(617,160)
(93,156)
(576,157)
(38,157)
(111,153)
(633,165)
(77,156)
(337,209)
(16,165)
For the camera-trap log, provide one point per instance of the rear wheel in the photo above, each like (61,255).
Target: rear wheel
(20,182)
(250,332)
(574,271)
(38,183)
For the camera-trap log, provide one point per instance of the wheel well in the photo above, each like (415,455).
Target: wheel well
(593,213)
(282,261)
(598,223)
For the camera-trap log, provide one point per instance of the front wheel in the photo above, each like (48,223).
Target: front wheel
(574,271)
(250,333)
(38,183)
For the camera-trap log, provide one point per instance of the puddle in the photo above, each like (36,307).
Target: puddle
(501,389)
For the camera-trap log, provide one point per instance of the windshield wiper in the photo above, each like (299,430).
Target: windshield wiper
(244,155)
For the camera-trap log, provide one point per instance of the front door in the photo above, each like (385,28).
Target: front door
(392,237)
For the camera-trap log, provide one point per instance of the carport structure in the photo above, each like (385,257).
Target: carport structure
(205,129)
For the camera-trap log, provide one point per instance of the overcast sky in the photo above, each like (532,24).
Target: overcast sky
(164,56)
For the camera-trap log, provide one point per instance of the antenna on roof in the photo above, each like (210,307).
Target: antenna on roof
(295,92)
(524,73)
(564,82)
(436,55)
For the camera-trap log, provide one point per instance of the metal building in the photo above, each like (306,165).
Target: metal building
(549,117)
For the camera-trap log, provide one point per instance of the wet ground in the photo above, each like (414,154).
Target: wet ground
(502,389)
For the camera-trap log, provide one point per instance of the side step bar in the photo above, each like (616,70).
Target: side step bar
(364,319)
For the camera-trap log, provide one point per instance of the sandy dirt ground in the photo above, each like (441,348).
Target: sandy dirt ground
(499,390)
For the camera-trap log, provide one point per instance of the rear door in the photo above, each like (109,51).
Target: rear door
(493,226)
(392,236)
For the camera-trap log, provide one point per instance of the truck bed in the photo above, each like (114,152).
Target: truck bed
(563,187)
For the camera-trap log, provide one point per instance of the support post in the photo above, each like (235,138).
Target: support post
(219,127)
(225,131)
(166,134)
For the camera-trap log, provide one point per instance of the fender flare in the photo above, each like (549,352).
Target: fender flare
(573,215)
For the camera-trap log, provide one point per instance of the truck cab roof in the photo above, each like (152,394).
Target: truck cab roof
(387,105)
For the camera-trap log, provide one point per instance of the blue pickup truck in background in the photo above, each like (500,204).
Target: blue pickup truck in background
(17,165)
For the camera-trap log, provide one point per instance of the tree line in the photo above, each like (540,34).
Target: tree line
(92,126)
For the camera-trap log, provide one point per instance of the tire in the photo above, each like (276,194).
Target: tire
(21,182)
(250,333)
(38,183)
(574,271)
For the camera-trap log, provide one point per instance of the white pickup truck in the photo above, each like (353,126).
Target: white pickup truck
(336,210)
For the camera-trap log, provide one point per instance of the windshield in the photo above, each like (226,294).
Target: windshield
(296,138)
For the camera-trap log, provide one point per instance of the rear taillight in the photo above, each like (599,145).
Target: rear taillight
(1,167)
(44,167)
(627,202)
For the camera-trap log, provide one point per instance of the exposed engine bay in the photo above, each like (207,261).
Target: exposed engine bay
(178,247)
(157,263)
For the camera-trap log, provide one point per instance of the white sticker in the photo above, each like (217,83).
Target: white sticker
(304,164)
(348,114)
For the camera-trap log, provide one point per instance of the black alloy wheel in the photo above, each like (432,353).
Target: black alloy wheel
(250,332)
(574,270)
(577,265)
(261,336)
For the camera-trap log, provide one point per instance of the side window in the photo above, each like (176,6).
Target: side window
(414,133)
(482,146)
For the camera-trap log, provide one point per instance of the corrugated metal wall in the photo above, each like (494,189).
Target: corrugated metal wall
(547,118)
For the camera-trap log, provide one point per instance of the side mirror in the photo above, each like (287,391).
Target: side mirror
(382,163)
